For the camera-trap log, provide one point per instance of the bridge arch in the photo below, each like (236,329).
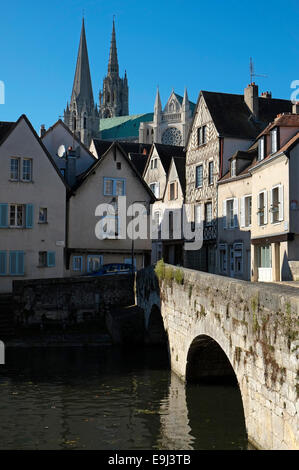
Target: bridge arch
(208,362)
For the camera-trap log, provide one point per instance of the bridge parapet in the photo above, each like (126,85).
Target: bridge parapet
(255,324)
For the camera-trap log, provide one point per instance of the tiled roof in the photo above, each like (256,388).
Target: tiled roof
(180,164)
(232,116)
(123,126)
(102,146)
(282,120)
(139,161)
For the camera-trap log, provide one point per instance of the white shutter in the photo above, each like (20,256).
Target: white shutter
(280,196)
(224,214)
(242,211)
(266,207)
(157,191)
(271,206)
(236,205)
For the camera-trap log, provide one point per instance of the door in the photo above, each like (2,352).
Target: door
(265,264)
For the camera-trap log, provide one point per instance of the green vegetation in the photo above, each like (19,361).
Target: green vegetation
(168,273)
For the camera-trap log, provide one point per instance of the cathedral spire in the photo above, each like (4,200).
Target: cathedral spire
(113,62)
(82,87)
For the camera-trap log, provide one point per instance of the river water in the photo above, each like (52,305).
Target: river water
(108,398)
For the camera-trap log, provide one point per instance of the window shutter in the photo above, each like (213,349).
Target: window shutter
(280,195)
(51,259)
(29,215)
(2,263)
(3,215)
(157,191)
(13,262)
(242,212)
(224,214)
(236,205)
(266,207)
(20,262)
(271,205)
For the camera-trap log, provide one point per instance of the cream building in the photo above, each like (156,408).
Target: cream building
(223,123)
(275,213)
(112,176)
(170,126)
(32,207)
(234,216)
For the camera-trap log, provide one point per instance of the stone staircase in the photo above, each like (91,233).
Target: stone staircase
(6,316)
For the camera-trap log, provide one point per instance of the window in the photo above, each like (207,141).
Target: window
(276,209)
(199,176)
(84,122)
(114,187)
(262,208)
(197,214)
(208,213)
(230,223)
(157,224)
(27,169)
(16,215)
(261,148)
(16,263)
(274,140)
(46,259)
(247,204)
(77,263)
(223,257)
(155,189)
(201,135)
(173,191)
(118,165)
(154,163)
(94,262)
(15,169)
(238,258)
(43,215)
(233,167)
(211,171)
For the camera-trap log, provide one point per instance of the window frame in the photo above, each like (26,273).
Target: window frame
(196,176)
(27,180)
(114,186)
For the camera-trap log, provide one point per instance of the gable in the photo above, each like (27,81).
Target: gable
(174,104)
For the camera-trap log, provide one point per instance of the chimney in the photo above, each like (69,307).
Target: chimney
(251,98)
(266,94)
(42,130)
(71,167)
(295,107)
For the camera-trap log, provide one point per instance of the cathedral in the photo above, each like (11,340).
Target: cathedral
(82,115)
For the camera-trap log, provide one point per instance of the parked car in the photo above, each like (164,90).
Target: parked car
(113,268)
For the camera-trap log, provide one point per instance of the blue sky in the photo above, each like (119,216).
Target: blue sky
(173,44)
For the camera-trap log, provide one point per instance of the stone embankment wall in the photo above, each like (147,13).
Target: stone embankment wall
(70,300)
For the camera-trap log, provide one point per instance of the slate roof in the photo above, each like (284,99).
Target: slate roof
(233,118)
(180,164)
(139,161)
(166,152)
(123,127)
(102,146)
(5,128)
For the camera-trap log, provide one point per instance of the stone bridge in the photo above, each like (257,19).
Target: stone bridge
(219,327)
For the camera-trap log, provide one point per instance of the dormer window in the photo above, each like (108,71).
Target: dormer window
(274,140)
(261,148)
(233,166)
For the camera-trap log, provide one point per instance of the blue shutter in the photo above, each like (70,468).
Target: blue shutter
(75,258)
(16,263)
(29,215)
(3,215)
(51,259)
(20,263)
(13,268)
(2,263)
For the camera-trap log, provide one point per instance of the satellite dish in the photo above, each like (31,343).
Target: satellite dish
(61,151)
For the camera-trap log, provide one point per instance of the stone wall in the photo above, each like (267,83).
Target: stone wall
(256,325)
(70,300)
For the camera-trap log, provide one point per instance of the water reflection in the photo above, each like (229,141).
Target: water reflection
(109,399)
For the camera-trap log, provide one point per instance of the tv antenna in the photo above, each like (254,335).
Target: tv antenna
(252,72)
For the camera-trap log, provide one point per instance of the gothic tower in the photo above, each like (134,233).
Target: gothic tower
(114,98)
(82,115)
